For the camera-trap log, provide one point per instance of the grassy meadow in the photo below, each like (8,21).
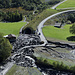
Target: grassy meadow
(67,4)
(57,33)
(11,28)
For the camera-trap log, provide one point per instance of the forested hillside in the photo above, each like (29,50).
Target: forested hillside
(27,4)
(14,10)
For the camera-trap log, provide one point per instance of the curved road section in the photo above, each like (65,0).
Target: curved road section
(58,4)
(42,23)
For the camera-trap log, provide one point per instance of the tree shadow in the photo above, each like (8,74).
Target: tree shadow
(71,38)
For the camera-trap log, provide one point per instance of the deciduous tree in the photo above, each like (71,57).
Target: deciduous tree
(5,48)
(72,29)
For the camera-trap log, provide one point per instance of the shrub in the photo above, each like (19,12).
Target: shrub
(68,22)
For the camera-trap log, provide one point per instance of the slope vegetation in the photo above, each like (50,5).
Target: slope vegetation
(35,22)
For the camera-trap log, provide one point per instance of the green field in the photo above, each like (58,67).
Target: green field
(11,28)
(57,33)
(67,4)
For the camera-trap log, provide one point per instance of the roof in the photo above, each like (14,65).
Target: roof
(10,35)
(57,24)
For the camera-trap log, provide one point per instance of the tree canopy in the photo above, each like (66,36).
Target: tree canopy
(72,29)
(5,48)
(26,4)
(11,16)
(71,17)
(18,3)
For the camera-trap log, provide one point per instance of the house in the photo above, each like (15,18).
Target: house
(58,25)
(11,37)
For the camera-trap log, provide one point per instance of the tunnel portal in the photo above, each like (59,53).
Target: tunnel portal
(28,31)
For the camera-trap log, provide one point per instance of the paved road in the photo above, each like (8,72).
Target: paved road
(40,31)
(7,67)
(58,4)
(67,8)
(42,23)
(39,28)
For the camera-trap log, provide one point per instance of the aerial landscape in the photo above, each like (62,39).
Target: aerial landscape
(37,37)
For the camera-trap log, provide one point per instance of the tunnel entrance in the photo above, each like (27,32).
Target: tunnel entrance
(28,31)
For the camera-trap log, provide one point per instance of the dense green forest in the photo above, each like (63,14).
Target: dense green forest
(11,16)
(28,5)
(71,17)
